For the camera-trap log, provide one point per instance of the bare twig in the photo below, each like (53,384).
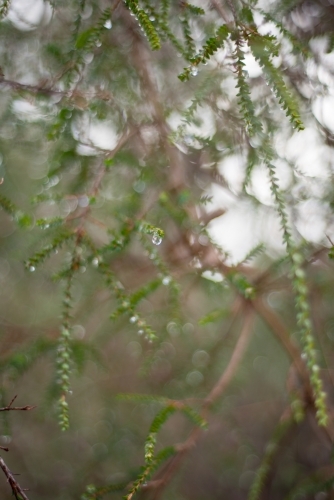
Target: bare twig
(17,491)
(10,407)
(235,360)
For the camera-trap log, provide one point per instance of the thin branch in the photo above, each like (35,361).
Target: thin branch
(10,407)
(169,470)
(235,360)
(17,491)
(278,328)
(49,91)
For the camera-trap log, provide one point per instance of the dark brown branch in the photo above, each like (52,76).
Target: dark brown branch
(10,407)
(17,491)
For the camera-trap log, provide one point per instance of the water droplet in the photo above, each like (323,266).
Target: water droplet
(140,332)
(152,18)
(166,280)
(134,319)
(156,239)
(194,70)
(98,43)
(108,24)
(95,262)
(32,269)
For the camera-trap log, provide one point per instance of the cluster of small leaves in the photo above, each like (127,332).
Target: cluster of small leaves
(252,123)
(205,87)
(90,38)
(48,250)
(145,23)
(125,305)
(190,45)
(254,252)
(297,46)
(305,328)
(311,487)
(209,48)
(153,460)
(21,218)
(156,233)
(196,11)
(64,360)
(21,360)
(280,206)
(264,48)
(60,124)
(240,282)
(270,452)
(94,493)
(165,277)
(50,223)
(302,305)
(4,7)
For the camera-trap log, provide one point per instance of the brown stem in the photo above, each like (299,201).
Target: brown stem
(17,491)
(282,334)
(234,362)
(158,484)
(10,407)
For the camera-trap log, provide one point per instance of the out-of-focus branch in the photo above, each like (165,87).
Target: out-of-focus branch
(235,360)
(163,478)
(278,328)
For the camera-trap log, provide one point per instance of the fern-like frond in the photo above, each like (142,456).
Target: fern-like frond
(270,452)
(209,48)
(263,49)
(145,23)
(252,123)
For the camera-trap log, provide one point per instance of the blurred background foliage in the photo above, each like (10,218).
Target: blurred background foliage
(147,294)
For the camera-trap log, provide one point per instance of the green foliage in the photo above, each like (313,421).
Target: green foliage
(23,220)
(209,48)
(5,4)
(252,123)
(270,452)
(312,486)
(43,254)
(145,24)
(263,49)
(128,170)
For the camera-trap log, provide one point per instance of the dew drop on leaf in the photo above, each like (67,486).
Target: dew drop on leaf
(194,70)
(108,24)
(166,280)
(156,239)
(32,269)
